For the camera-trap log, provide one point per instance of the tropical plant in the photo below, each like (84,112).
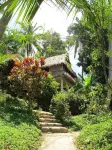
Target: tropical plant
(24,40)
(26,79)
(29,39)
(85,43)
(6,64)
(49,88)
(51,44)
(25,10)
(60,107)
(97,16)
(96,136)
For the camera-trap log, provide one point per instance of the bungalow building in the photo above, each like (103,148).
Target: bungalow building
(60,68)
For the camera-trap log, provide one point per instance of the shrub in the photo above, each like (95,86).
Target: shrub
(77,101)
(6,64)
(96,137)
(19,129)
(5,68)
(26,79)
(92,100)
(97,99)
(60,107)
(49,88)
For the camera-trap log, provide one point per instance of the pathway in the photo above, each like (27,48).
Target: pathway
(59,141)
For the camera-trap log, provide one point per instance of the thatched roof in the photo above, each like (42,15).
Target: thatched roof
(55,60)
(58,60)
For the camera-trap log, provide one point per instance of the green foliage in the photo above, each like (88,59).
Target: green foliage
(2,48)
(26,41)
(97,99)
(23,40)
(92,96)
(60,107)
(25,79)
(25,9)
(76,101)
(49,88)
(51,44)
(22,137)
(3,57)
(5,66)
(96,15)
(82,98)
(19,129)
(80,121)
(96,137)
(89,51)
(69,102)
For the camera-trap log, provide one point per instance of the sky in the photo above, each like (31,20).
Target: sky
(51,17)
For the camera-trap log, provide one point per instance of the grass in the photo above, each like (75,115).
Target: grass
(96,131)
(80,121)
(19,129)
(96,137)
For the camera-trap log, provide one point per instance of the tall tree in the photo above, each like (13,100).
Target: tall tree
(23,40)
(97,15)
(51,44)
(85,42)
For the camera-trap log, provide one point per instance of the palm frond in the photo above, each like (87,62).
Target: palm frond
(26,9)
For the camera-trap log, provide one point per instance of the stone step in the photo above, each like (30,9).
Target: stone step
(46,113)
(55,129)
(47,120)
(46,124)
(47,116)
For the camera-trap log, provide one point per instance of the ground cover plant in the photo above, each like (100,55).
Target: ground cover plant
(96,132)
(78,122)
(96,136)
(19,129)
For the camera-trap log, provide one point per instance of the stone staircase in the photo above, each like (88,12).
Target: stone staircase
(49,123)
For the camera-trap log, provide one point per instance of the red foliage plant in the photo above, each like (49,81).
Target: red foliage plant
(26,78)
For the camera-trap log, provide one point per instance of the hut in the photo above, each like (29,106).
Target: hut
(60,68)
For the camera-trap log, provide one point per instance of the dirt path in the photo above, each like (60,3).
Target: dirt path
(59,141)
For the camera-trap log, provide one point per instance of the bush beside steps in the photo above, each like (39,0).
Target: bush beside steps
(49,123)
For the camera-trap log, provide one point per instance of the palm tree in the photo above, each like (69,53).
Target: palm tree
(26,10)
(30,38)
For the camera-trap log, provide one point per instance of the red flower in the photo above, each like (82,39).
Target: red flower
(46,73)
(25,62)
(42,61)
(36,62)
(31,60)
